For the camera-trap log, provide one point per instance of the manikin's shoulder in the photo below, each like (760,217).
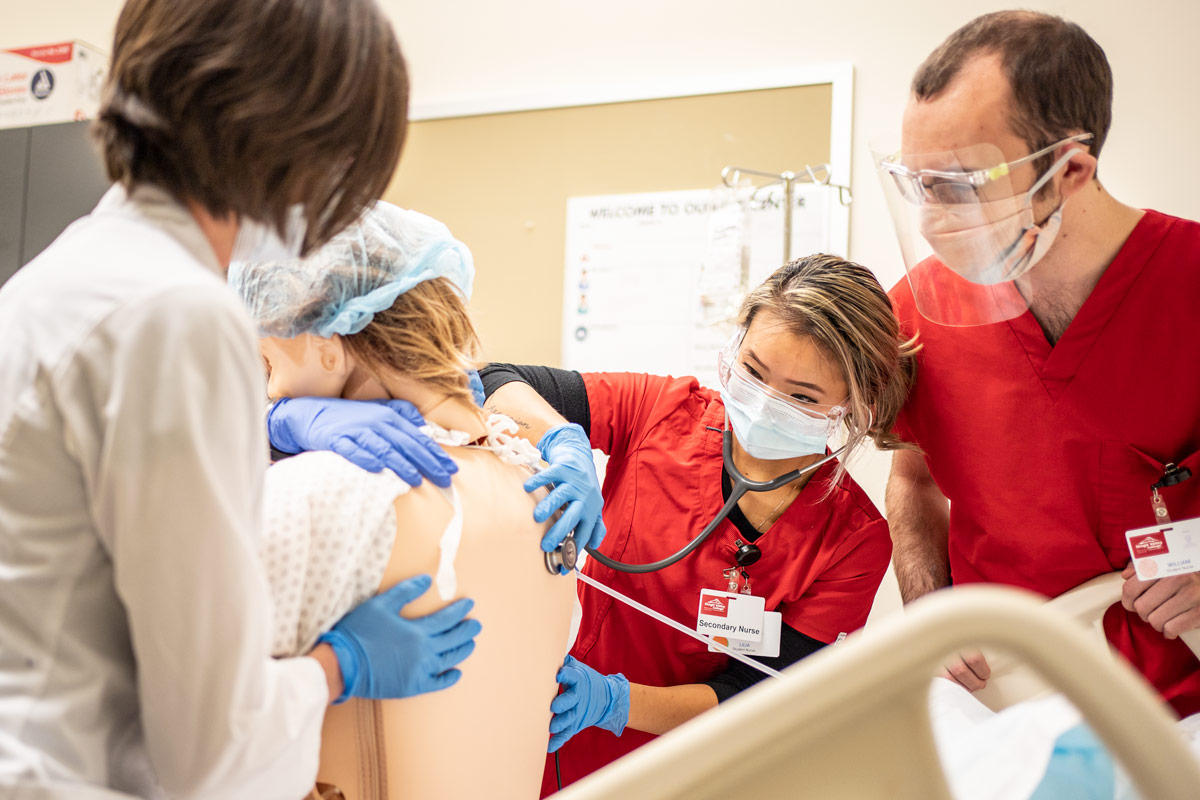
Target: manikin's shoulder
(498,528)
(484,484)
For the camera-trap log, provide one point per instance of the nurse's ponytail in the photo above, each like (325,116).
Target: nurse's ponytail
(843,309)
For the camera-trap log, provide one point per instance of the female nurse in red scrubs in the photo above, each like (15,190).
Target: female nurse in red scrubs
(817,350)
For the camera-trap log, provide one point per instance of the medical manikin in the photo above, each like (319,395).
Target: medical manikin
(380,314)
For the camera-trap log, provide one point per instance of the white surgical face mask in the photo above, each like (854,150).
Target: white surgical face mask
(994,241)
(258,242)
(768,425)
(771,441)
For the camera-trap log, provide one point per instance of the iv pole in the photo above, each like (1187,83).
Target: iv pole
(819,175)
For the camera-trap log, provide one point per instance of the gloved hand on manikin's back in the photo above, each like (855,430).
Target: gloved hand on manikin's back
(588,699)
(576,488)
(384,656)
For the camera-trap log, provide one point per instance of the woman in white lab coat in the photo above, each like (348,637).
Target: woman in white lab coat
(134,616)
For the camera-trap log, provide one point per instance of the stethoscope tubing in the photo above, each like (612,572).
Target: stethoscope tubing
(741,485)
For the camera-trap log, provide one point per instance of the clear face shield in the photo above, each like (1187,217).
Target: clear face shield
(967,234)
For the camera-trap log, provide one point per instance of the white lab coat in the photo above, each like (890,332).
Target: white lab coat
(134,614)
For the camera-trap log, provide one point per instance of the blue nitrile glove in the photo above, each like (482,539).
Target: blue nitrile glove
(569,452)
(373,435)
(476,387)
(588,699)
(384,656)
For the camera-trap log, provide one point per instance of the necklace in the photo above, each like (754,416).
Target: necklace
(787,497)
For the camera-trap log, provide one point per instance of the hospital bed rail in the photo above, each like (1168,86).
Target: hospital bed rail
(853,720)
(1012,681)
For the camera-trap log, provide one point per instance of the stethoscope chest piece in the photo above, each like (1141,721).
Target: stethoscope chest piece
(565,555)
(747,555)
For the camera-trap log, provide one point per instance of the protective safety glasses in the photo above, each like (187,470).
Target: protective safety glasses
(953,186)
(780,409)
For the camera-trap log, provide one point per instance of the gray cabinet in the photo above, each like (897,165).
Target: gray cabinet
(50,176)
(14,163)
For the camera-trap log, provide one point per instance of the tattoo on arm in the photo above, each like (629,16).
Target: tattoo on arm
(491,409)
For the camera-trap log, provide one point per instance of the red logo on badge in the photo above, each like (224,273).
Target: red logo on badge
(1151,544)
(714,606)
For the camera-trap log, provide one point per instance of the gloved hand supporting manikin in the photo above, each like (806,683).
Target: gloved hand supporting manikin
(588,699)
(372,435)
(336,291)
(384,656)
(576,488)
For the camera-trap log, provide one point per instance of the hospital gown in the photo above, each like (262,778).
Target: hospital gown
(328,533)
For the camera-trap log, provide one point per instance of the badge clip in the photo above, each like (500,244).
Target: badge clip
(1171,476)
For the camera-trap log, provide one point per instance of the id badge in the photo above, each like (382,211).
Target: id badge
(1162,551)
(733,616)
(768,647)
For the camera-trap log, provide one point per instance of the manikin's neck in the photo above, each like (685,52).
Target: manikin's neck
(455,414)
(1094,228)
(435,406)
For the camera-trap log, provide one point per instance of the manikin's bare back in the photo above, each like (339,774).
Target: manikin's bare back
(486,736)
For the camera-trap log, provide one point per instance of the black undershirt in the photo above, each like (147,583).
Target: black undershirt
(563,389)
(566,393)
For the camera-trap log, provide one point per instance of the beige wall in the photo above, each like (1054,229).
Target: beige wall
(465,49)
(501,183)
(471,50)
(462,50)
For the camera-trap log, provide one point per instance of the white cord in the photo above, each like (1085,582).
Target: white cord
(745,659)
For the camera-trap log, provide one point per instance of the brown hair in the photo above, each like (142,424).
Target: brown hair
(1060,79)
(426,334)
(250,107)
(843,309)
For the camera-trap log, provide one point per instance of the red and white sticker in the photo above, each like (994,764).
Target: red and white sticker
(1161,551)
(732,616)
(47,54)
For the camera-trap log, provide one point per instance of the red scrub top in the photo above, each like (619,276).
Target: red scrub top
(821,564)
(1047,453)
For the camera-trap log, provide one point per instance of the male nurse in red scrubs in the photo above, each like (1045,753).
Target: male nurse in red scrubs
(1060,375)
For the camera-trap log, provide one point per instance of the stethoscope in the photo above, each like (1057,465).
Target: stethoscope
(567,553)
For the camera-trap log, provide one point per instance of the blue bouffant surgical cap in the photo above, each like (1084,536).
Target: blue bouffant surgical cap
(340,287)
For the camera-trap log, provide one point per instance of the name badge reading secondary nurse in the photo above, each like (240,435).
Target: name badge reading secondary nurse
(733,616)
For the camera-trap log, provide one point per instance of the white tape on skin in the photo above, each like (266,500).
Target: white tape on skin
(447,579)
(511,449)
(747,660)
